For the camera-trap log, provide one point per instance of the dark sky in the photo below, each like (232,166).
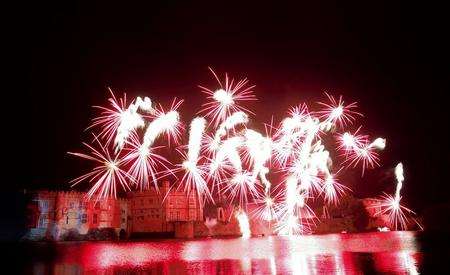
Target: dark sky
(391,58)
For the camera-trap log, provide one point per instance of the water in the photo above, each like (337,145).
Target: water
(386,252)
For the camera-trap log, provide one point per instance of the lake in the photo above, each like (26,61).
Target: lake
(362,253)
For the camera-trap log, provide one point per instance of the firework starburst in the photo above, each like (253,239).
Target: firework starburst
(226,100)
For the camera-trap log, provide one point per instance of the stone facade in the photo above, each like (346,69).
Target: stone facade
(56,215)
(163,210)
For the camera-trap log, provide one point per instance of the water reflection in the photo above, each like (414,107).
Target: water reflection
(392,252)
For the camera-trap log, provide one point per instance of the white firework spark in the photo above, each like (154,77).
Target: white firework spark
(226,99)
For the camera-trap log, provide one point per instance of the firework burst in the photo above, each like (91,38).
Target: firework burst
(110,118)
(145,165)
(358,150)
(106,175)
(226,100)
(333,190)
(194,174)
(266,206)
(399,216)
(338,113)
(131,119)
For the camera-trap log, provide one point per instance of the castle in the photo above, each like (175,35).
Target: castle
(166,211)
(56,215)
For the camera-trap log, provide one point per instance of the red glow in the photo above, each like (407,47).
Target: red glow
(393,252)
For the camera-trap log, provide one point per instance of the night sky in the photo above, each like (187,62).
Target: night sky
(392,59)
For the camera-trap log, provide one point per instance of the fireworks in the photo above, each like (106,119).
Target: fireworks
(398,215)
(224,156)
(131,119)
(332,190)
(145,164)
(338,113)
(106,175)
(110,118)
(244,226)
(266,208)
(259,150)
(226,99)
(358,149)
(194,175)
(164,123)
(134,162)
(400,178)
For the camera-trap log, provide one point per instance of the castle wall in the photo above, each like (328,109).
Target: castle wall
(184,230)
(62,214)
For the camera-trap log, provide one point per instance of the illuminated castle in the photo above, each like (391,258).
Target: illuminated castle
(166,212)
(56,215)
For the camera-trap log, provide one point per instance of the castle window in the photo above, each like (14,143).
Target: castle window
(44,205)
(42,221)
(94,218)
(84,218)
(191,201)
(67,219)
